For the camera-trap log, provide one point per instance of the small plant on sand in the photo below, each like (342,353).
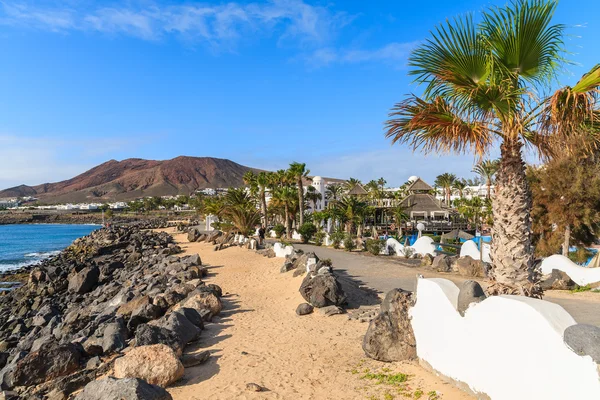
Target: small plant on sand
(388,379)
(433,395)
(418,394)
(388,396)
(279,230)
(580,289)
(349,244)
(326,262)
(320,238)
(307,230)
(408,252)
(375,246)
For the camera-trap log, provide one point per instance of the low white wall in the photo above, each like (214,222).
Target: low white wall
(281,251)
(580,275)
(395,246)
(508,347)
(424,245)
(469,248)
(296,235)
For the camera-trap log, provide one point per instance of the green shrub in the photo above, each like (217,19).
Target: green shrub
(326,262)
(349,244)
(307,231)
(375,246)
(336,239)
(580,255)
(279,230)
(320,237)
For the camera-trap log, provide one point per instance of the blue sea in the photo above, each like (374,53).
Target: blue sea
(22,245)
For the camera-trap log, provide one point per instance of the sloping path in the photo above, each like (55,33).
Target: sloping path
(385,273)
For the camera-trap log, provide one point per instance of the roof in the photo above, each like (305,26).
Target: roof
(358,190)
(457,234)
(422,202)
(419,186)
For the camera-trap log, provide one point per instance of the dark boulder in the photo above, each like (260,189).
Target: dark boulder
(115,336)
(390,336)
(558,280)
(467,266)
(84,281)
(192,315)
(441,263)
(185,330)
(149,334)
(145,313)
(126,389)
(470,292)
(47,363)
(322,290)
(193,235)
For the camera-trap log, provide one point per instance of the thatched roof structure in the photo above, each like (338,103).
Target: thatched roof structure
(358,190)
(419,185)
(457,234)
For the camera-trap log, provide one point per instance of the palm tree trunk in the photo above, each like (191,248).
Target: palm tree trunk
(288,223)
(565,246)
(489,188)
(263,200)
(513,270)
(301,200)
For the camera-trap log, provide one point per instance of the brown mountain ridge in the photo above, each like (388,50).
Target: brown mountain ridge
(134,178)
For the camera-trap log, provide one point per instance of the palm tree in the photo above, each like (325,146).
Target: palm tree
(240,209)
(299,172)
(262,180)
(446,181)
(334,192)
(479,84)
(351,183)
(486,169)
(459,185)
(286,196)
(352,212)
(313,196)
(400,217)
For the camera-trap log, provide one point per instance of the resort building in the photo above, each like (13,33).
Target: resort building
(421,204)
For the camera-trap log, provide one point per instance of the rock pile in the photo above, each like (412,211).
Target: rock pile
(118,291)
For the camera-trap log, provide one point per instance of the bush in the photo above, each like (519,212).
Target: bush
(307,231)
(326,262)
(349,244)
(375,246)
(319,238)
(408,252)
(336,239)
(279,230)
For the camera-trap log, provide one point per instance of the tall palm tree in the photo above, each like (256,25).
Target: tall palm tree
(299,172)
(479,83)
(352,212)
(400,217)
(287,197)
(446,182)
(486,169)
(262,180)
(240,208)
(459,186)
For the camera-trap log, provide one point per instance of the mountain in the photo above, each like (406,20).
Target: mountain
(134,178)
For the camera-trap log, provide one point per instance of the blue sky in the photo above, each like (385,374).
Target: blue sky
(262,83)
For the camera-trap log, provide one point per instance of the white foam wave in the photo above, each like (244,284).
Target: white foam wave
(42,254)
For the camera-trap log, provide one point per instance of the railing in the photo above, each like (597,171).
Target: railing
(453,246)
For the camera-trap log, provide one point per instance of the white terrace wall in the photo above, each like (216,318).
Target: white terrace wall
(423,245)
(469,248)
(281,250)
(580,275)
(506,347)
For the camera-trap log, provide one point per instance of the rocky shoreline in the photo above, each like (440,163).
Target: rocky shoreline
(32,217)
(119,301)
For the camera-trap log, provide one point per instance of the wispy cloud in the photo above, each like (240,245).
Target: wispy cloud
(215,24)
(394,53)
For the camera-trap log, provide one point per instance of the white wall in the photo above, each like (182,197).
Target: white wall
(508,347)
(281,251)
(469,248)
(580,275)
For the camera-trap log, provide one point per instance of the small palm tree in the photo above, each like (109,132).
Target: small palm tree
(446,181)
(299,172)
(334,192)
(352,183)
(240,208)
(400,217)
(352,212)
(459,186)
(313,196)
(480,80)
(287,197)
(486,169)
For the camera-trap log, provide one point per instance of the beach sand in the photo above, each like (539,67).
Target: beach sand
(259,339)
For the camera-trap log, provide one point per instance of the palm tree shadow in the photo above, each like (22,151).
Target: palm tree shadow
(357,293)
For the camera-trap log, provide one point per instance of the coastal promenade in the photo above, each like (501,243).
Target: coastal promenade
(385,273)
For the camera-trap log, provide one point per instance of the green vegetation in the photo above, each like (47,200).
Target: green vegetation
(388,379)
(349,244)
(320,237)
(279,230)
(581,289)
(307,231)
(375,246)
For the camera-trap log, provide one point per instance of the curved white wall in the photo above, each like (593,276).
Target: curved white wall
(580,275)
(508,347)
(469,248)
(424,245)
(395,245)
(281,251)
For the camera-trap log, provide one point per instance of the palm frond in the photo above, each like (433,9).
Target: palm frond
(523,40)
(434,126)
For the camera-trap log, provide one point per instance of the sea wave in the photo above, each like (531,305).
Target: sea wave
(42,254)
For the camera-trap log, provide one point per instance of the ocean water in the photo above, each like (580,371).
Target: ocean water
(22,245)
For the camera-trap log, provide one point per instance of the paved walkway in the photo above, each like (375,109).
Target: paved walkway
(385,273)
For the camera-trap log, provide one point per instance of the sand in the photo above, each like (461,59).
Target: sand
(259,339)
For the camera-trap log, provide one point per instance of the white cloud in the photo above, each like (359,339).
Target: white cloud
(193,21)
(395,53)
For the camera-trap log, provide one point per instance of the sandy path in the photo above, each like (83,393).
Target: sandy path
(259,338)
